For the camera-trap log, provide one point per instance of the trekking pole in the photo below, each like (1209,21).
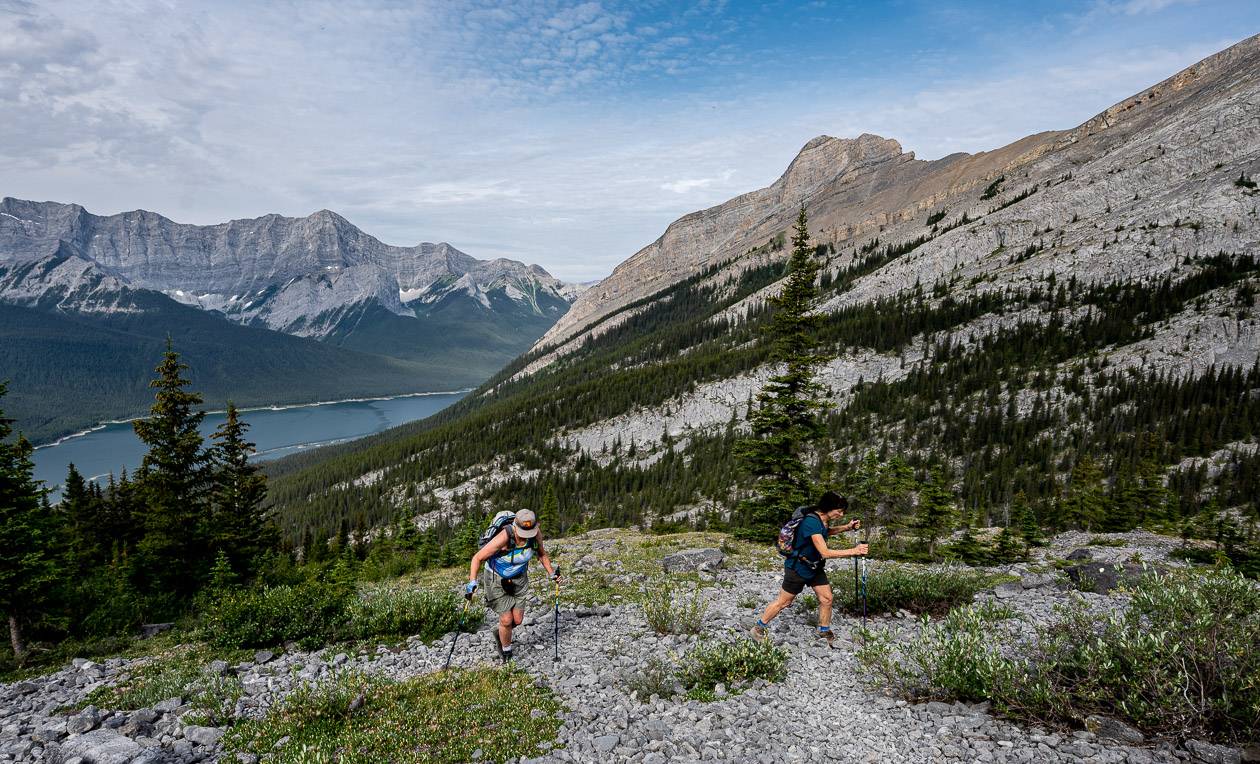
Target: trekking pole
(855,571)
(458,629)
(868,538)
(556,620)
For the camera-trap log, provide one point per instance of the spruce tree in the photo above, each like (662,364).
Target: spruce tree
(936,510)
(785,420)
(173,482)
(1086,503)
(29,538)
(239,526)
(549,513)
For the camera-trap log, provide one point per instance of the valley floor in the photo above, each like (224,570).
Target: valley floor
(826,710)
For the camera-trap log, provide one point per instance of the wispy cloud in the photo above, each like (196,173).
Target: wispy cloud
(563,132)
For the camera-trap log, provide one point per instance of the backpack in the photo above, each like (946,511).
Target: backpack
(786,543)
(501,520)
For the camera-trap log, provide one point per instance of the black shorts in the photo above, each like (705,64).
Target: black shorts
(794,582)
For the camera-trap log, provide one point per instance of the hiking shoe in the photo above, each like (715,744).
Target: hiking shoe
(827,636)
(506,655)
(759,632)
(498,642)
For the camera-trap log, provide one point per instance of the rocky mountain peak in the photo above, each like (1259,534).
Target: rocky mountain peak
(824,159)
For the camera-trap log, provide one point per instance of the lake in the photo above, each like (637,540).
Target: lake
(276,432)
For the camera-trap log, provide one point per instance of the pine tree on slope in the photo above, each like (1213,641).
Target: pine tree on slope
(174,482)
(28,538)
(239,526)
(786,417)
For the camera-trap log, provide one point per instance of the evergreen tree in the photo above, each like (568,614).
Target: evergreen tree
(29,543)
(1009,547)
(173,483)
(549,513)
(1023,517)
(968,548)
(83,509)
(936,510)
(239,527)
(785,420)
(1085,505)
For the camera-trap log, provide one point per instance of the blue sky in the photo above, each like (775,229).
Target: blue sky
(563,133)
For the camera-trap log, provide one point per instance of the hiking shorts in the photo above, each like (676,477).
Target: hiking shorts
(794,583)
(503,596)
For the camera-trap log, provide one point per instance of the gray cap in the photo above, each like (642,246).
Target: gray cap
(526,525)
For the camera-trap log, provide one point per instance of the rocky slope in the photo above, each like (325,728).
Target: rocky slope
(826,710)
(1114,196)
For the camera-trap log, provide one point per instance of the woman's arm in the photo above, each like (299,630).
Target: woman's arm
(495,546)
(830,554)
(545,558)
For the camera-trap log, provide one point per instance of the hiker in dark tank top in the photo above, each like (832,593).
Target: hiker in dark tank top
(806,565)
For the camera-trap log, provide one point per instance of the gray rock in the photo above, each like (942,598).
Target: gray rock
(207,736)
(606,743)
(1107,728)
(263,656)
(168,705)
(691,560)
(1103,577)
(1080,554)
(84,721)
(218,668)
(1036,580)
(150,630)
(99,747)
(1008,590)
(1210,753)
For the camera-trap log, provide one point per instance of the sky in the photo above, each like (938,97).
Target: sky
(568,134)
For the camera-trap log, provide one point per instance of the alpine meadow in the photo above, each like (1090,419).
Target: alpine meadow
(1012,393)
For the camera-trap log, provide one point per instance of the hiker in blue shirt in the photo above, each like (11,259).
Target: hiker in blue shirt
(807,567)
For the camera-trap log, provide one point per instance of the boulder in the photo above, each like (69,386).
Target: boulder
(1081,554)
(99,747)
(1102,577)
(150,630)
(85,721)
(1036,580)
(1008,590)
(207,736)
(1210,753)
(1107,728)
(691,560)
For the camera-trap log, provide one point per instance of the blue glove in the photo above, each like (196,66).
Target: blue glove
(469,588)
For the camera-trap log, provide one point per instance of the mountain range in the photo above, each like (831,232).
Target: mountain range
(391,319)
(1008,314)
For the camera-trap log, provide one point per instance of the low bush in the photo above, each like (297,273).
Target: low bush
(655,677)
(669,611)
(393,610)
(915,588)
(315,613)
(439,718)
(1179,661)
(308,613)
(711,663)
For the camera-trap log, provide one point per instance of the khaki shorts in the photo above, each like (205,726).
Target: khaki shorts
(499,600)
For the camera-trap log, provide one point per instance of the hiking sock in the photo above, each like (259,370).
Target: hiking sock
(824,629)
(762,623)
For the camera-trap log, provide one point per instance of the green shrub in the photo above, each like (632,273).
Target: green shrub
(655,677)
(308,613)
(708,664)
(439,718)
(1180,661)
(669,611)
(393,610)
(918,589)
